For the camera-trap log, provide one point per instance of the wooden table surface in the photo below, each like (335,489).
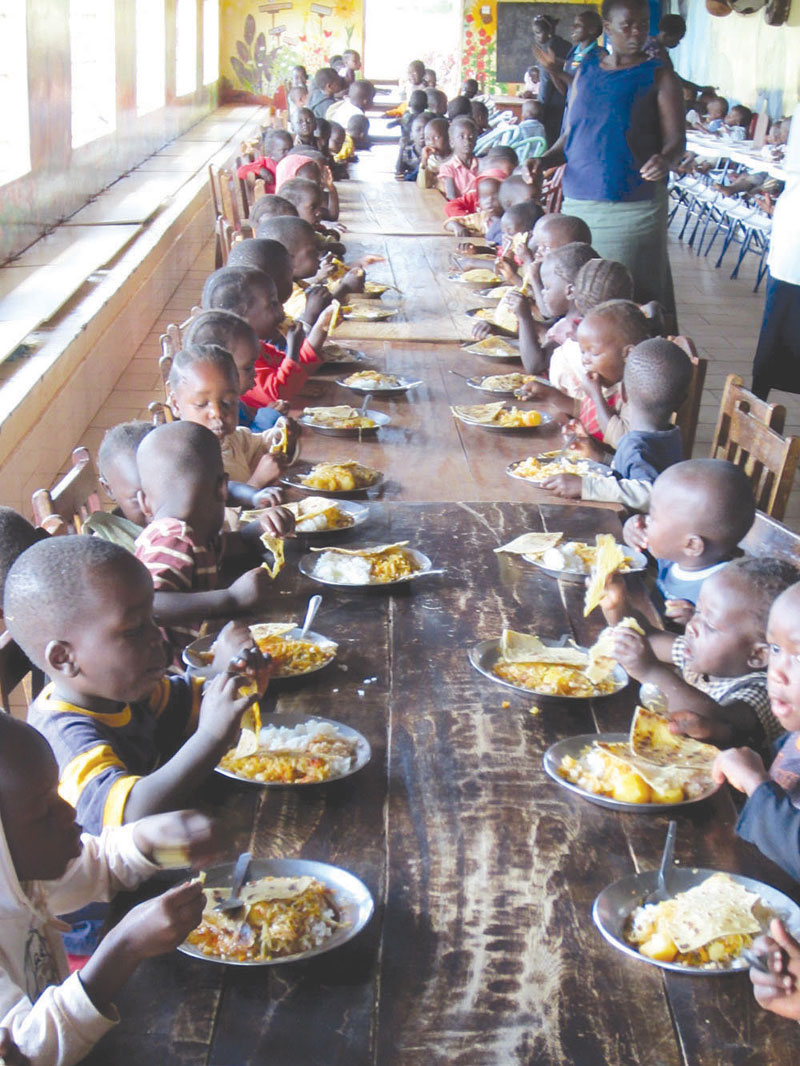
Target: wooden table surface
(482,949)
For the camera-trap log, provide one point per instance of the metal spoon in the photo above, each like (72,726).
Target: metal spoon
(458,374)
(233,902)
(661,892)
(311,612)
(365,404)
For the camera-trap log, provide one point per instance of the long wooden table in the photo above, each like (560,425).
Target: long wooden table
(482,948)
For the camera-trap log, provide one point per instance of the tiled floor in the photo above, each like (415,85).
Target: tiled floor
(722,317)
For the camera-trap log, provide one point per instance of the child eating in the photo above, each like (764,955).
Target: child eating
(183,495)
(656,379)
(204,388)
(770,818)
(50,867)
(435,151)
(253,296)
(720,691)
(129,741)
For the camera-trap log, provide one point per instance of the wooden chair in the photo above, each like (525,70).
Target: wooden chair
(64,508)
(552,193)
(160,413)
(768,536)
(16,668)
(226,234)
(747,435)
(736,396)
(688,415)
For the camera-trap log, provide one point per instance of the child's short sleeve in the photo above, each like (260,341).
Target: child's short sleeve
(176,563)
(101,757)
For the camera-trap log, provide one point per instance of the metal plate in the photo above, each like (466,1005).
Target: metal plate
(503,357)
(574,746)
(476,383)
(334,353)
(591,468)
(353,902)
(363,752)
(291,479)
(638,563)
(617,902)
(306,566)
(378,417)
(368,314)
(501,331)
(359,512)
(545,420)
(459,279)
(484,655)
(404,384)
(193,654)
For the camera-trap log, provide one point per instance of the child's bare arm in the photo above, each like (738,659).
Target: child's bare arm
(691,711)
(534,359)
(593,388)
(450,191)
(246,593)
(153,928)
(217,729)
(537,390)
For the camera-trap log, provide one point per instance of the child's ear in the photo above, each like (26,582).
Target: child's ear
(759,656)
(569,291)
(626,351)
(144,506)
(106,488)
(172,404)
(60,659)
(694,545)
(623,392)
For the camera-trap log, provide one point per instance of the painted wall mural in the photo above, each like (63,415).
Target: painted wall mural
(261,42)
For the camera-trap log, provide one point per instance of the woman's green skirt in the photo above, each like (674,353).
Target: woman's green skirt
(634,234)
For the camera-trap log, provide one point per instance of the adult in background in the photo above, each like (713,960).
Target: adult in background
(586,28)
(777,361)
(549,52)
(624,129)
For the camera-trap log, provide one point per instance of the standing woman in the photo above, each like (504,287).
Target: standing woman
(777,362)
(550,51)
(623,131)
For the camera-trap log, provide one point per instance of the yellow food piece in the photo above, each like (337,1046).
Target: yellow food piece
(551,679)
(668,795)
(293,657)
(610,559)
(281,445)
(630,788)
(277,547)
(339,477)
(372,378)
(659,947)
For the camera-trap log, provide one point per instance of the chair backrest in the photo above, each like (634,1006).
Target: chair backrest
(530,148)
(15,667)
(160,413)
(768,459)
(65,507)
(736,397)
(768,536)
(552,193)
(686,418)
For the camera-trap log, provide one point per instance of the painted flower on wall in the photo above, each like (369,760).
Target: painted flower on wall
(479,51)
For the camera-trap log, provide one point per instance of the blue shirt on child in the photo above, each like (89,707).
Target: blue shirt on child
(642,455)
(676,583)
(771,816)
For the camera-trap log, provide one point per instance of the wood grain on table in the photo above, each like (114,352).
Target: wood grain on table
(482,949)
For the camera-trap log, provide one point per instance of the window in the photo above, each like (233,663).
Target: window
(150,60)
(210,41)
(15,148)
(94,90)
(185,47)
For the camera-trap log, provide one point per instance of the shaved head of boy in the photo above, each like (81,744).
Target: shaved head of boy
(699,511)
(657,377)
(180,467)
(117,469)
(307,198)
(231,332)
(267,207)
(270,257)
(521,217)
(249,293)
(81,610)
(554,231)
(298,238)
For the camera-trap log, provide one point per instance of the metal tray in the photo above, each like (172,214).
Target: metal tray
(306,566)
(353,901)
(484,655)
